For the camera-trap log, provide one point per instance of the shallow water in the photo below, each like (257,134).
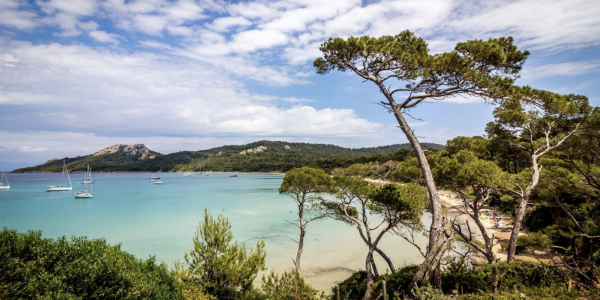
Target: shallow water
(150,219)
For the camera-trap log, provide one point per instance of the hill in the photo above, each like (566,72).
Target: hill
(262,156)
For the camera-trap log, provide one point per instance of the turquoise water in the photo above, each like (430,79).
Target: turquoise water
(150,219)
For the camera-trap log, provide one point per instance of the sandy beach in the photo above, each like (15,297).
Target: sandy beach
(455,209)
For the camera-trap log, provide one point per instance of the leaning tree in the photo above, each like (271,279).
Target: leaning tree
(536,122)
(406,74)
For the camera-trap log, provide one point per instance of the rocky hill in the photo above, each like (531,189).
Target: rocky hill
(262,156)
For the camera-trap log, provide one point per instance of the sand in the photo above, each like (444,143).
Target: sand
(455,209)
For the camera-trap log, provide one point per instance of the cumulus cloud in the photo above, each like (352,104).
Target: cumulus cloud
(105,37)
(113,94)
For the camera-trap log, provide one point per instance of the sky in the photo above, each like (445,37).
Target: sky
(79,76)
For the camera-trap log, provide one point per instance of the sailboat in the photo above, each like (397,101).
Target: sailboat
(52,188)
(3,178)
(88,178)
(85,193)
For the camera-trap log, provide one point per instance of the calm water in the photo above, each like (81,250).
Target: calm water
(149,219)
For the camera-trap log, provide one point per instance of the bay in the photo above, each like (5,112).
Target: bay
(160,220)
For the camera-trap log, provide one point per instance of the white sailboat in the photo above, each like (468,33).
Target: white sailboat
(85,193)
(4,181)
(88,178)
(53,188)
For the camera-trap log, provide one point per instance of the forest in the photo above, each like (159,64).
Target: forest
(538,163)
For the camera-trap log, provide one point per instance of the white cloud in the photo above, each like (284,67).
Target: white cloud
(105,37)
(560,69)
(226,23)
(79,7)
(12,16)
(7,60)
(148,95)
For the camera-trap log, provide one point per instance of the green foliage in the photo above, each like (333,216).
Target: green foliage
(511,275)
(427,292)
(217,264)
(483,68)
(397,284)
(400,202)
(306,186)
(35,268)
(288,286)
(553,292)
(535,240)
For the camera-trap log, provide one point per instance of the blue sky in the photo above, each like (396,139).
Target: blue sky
(78,76)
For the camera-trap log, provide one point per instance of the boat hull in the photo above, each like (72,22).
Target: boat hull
(83,194)
(4,187)
(58,188)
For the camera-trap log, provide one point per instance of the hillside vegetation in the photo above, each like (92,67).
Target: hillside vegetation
(262,156)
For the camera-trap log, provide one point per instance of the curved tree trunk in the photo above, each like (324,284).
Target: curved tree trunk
(512,245)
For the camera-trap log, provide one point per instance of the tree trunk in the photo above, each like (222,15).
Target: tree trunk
(300,246)
(436,205)
(387,259)
(512,244)
(432,259)
(368,295)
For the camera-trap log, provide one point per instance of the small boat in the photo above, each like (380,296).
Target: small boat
(188,174)
(88,178)
(84,194)
(4,181)
(153,179)
(158,182)
(232,175)
(53,188)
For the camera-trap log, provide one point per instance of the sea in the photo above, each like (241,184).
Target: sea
(160,220)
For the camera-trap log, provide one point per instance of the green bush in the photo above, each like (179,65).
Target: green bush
(35,268)
(511,275)
(553,292)
(218,265)
(354,287)
(288,286)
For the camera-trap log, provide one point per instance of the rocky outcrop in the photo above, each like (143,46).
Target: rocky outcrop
(137,149)
(255,150)
(51,160)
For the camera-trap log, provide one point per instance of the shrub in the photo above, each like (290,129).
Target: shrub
(511,275)
(219,266)
(553,292)
(354,287)
(288,287)
(32,267)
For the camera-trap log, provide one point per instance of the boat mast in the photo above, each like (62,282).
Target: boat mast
(67,171)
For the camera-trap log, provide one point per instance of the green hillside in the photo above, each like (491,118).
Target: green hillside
(271,157)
